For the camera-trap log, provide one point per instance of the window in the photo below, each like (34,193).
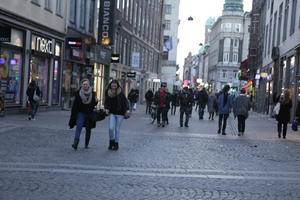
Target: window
(91,16)
(286,15)
(227,44)
(226,57)
(48,4)
(236,43)
(226,27)
(270,35)
(167,24)
(293,17)
(168,9)
(274,29)
(82,13)
(272,5)
(224,74)
(73,11)
(37,2)
(127,10)
(266,41)
(279,24)
(235,58)
(119,4)
(237,28)
(58,7)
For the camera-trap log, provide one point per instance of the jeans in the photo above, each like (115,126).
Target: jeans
(81,117)
(201,110)
(148,107)
(33,108)
(163,111)
(131,106)
(223,117)
(279,128)
(241,123)
(115,122)
(211,115)
(173,109)
(187,112)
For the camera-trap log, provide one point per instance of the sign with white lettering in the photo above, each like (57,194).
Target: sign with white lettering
(42,44)
(106,22)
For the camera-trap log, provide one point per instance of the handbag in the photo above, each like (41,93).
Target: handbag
(98,115)
(127,115)
(276,109)
(35,96)
(295,125)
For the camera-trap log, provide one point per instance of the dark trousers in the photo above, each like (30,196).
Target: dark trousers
(148,107)
(201,110)
(162,111)
(185,111)
(33,109)
(279,128)
(241,123)
(223,118)
(211,115)
(173,109)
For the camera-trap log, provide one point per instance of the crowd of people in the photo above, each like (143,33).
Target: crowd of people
(118,107)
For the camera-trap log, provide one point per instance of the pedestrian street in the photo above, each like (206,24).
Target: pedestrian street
(38,162)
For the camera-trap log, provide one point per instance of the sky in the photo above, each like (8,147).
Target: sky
(191,33)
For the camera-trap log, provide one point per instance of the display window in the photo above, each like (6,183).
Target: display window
(39,68)
(10,76)
(55,86)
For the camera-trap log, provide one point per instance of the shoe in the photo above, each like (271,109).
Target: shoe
(111,144)
(116,146)
(75,144)
(279,135)
(283,137)
(181,125)
(29,118)
(186,125)
(219,131)
(224,133)
(163,124)
(239,134)
(158,125)
(87,140)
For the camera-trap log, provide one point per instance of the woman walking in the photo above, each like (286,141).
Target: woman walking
(283,117)
(117,107)
(212,105)
(34,94)
(81,114)
(241,107)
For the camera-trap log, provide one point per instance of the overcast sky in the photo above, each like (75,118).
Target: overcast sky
(191,33)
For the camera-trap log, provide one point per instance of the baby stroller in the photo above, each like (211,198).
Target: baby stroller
(153,112)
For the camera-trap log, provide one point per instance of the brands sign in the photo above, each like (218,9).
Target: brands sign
(106,22)
(42,44)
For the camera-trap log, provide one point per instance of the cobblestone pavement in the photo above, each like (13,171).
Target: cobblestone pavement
(37,162)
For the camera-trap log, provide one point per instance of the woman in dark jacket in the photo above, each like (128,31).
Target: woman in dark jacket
(283,117)
(82,111)
(33,90)
(117,106)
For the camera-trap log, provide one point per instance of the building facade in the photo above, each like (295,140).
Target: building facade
(34,51)
(171,22)
(228,41)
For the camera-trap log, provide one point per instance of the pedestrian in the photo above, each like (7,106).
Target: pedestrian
(283,117)
(224,107)
(149,99)
(82,111)
(34,95)
(161,100)
(241,106)
(117,106)
(174,102)
(168,104)
(202,101)
(186,105)
(132,97)
(212,105)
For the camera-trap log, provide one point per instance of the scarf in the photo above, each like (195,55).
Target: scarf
(86,96)
(113,93)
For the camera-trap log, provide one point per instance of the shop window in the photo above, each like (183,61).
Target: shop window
(16,38)
(57,49)
(39,67)
(10,76)
(55,88)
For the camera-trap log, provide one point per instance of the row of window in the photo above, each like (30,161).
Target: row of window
(235,57)
(272,28)
(231,27)
(48,5)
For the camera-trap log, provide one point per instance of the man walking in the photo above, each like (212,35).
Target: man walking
(186,103)
(224,107)
(202,101)
(149,98)
(161,100)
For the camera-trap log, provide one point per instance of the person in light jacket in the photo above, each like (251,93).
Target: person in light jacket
(224,108)
(241,107)
(284,115)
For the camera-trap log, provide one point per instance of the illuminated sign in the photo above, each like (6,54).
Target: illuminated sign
(74,42)
(257,76)
(263,75)
(42,44)
(115,58)
(106,22)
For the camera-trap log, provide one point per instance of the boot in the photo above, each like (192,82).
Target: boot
(279,135)
(75,145)
(111,144)
(116,146)
(87,139)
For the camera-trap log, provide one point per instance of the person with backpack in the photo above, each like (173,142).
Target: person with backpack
(34,95)
(82,113)
(284,116)
(186,104)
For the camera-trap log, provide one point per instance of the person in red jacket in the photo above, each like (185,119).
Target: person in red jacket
(162,100)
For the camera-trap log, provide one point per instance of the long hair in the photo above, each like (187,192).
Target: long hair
(113,81)
(286,96)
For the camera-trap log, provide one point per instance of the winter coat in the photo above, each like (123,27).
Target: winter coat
(185,100)
(133,97)
(284,115)
(149,96)
(30,92)
(241,105)
(175,99)
(224,108)
(157,99)
(87,109)
(117,105)
(212,104)
(202,97)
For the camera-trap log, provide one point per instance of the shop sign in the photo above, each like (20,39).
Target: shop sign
(131,74)
(115,58)
(263,75)
(5,33)
(257,76)
(43,45)
(156,80)
(102,55)
(74,42)
(106,22)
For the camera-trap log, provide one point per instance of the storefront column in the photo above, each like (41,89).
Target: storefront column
(26,67)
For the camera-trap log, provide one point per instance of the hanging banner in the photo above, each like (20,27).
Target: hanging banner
(106,22)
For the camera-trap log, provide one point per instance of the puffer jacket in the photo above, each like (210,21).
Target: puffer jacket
(241,105)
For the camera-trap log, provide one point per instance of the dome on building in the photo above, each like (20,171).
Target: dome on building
(233,5)
(210,21)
